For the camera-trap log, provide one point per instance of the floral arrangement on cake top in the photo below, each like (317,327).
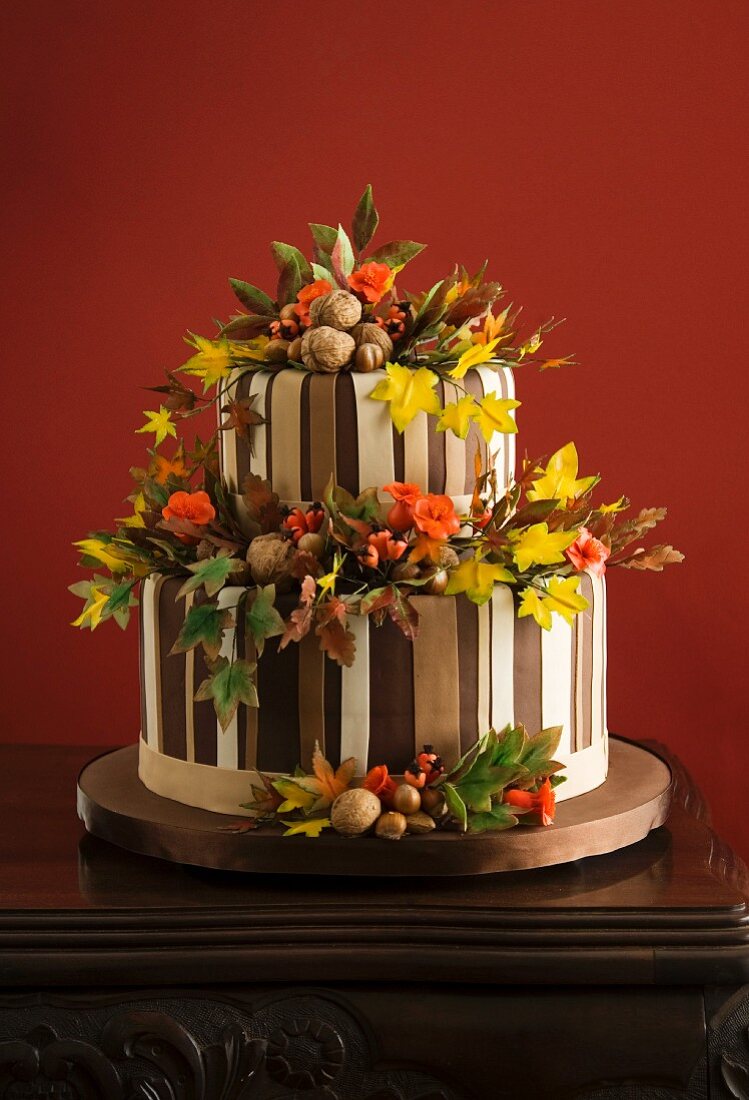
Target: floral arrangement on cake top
(347,555)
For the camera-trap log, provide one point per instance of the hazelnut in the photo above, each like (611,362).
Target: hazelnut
(405,571)
(447,558)
(277,351)
(437,583)
(355,811)
(433,801)
(368,357)
(288,313)
(271,559)
(313,543)
(337,309)
(367,333)
(419,823)
(390,826)
(294,350)
(406,799)
(326,350)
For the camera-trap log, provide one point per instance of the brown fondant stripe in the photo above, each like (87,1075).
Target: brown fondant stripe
(307,433)
(322,431)
(269,428)
(246,728)
(391,696)
(527,674)
(436,678)
(189,691)
(171,615)
(231,439)
(468,643)
(311,699)
(204,716)
(332,704)
(278,715)
(347,442)
(144,592)
(436,448)
(399,455)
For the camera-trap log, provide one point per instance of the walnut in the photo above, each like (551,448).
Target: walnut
(367,333)
(271,559)
(337,309)
(355,811)
(326,350)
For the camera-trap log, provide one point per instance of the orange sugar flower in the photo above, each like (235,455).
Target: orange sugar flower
(435,515)
(160,468)
(194,507)
(379,782)
(425,549)
(405,494)
(382,546)
(371,282)
(303,523)
(588,553)
(541,802)
(308,294)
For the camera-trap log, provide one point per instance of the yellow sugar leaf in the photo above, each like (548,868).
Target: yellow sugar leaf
(310,827)
(531,603)
(477,579)
(295,797)
(212,360)
(114,557)
(564,598)
(326,784)
(160,423)
(536,545)
(494,416)
(456,417)
(479,353)
(409,392)
(618,506)
(249,349)
(91,614)
(560,480)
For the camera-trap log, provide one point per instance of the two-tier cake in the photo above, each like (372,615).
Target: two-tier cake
(351,600)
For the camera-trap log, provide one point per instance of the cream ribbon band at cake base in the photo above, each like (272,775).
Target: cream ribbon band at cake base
(223,790)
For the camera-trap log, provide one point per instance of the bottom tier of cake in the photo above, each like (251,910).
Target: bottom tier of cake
(469,668)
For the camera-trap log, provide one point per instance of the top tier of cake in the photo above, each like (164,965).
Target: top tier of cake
(323,424)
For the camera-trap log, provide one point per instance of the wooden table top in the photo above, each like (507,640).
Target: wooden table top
(672,909)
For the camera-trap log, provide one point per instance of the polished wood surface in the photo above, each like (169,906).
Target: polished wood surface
(634,961)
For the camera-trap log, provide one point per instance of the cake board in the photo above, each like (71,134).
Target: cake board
(115,806)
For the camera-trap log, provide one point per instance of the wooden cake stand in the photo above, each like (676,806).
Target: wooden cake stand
(114,805)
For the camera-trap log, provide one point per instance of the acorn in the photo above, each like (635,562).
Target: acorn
(437,583)
(405,571)
(367,333)
(294,351)
(277,351)
(406,799)
(313,543)
(368,357)
(355,811)
(337,309)
(326,350)
(419,823)
(390,826)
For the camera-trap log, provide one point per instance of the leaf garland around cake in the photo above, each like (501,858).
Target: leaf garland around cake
(504,778)
(238,558)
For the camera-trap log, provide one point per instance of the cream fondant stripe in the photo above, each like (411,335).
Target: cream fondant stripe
(189,691)
(436,679)
(374,433)
(229,441)
(455,467)
(416,451)
(483,717)
(508,389)
(604,659)
(584,770)
(503,645)
(355,697)
(152,660)
(311,702)
(286,457)
(579,683)
(597,718)
(227,741)
(259,456)
(556,674)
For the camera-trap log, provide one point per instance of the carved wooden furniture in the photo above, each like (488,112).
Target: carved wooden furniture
(128,977)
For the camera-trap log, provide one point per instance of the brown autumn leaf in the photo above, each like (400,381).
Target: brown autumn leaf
(177,396)
(653,559)
(242,418)
(337,641)
(261,503)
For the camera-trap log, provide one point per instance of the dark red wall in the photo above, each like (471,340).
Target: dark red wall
(593,151)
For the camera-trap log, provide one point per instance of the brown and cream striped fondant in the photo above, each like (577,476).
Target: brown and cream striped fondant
(323,424)
(470,667)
